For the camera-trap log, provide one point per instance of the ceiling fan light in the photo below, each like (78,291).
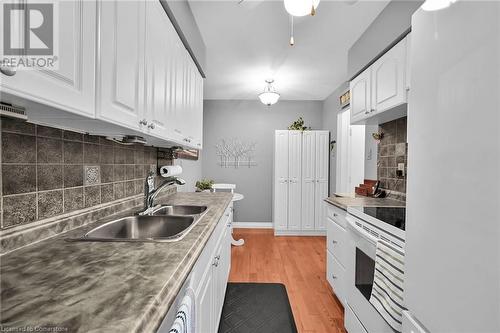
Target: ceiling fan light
(301,7)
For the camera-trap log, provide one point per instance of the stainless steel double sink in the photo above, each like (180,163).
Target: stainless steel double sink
(168,223)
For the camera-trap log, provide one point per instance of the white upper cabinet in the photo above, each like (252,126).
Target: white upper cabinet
(121,74)
(72,86)
(388,79)
(360,96)
(377,91)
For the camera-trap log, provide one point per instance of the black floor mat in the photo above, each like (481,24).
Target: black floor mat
(256,307)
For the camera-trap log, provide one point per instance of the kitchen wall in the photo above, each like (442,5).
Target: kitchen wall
(46,172)
(249,120)
(393,149)
(393,21)
(191,173)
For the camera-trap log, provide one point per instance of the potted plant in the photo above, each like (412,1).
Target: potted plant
(204,185)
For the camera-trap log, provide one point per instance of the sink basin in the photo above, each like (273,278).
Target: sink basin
(160,228)
(179,210)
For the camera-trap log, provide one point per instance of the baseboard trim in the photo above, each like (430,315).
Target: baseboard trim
(253,225)
(300,232)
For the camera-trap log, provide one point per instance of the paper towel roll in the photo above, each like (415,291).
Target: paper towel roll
(170,170)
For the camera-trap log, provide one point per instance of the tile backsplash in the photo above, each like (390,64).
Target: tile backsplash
(392,150)
(47,172)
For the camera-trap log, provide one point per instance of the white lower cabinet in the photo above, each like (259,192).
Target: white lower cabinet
(336,238)
(351,322)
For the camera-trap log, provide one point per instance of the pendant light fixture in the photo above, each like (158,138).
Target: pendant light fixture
(269,96)
(434,5)
(301,7)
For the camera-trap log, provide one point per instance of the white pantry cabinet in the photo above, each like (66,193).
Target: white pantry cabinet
(72,86)
(300,182)
(380,89)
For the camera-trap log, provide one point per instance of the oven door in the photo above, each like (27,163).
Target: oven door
(359,277)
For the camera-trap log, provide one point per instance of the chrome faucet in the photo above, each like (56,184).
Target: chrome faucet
(150,192)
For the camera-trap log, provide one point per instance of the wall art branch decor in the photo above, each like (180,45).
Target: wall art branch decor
(235,153)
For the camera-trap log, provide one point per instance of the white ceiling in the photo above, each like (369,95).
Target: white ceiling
(248,43)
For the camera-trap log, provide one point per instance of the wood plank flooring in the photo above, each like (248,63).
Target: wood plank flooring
(300,264)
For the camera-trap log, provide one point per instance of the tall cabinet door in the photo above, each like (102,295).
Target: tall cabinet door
(294,179)
(121,74)
(308,178)
(280,180)
(360,96)
(72,86)
(388,79)
(322,171)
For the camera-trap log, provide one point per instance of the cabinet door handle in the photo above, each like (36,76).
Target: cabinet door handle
(216,263)
(372,110)
(333,277)
(217,257)
(335,214)
(143,122)
(334,241)
(151,125)
(8,70)
(367,112)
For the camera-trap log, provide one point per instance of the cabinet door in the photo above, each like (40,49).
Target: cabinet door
(158,69)
(121,75)
(388,79)
(205,313)
(294,179)
(308,179)
(72,86)
(360,96)
(280,180)
(322,171)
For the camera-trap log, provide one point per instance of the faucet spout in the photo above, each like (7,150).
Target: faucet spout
(150,192)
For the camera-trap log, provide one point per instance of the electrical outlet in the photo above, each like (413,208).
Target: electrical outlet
(400,172)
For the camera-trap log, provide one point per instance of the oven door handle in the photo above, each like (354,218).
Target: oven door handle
(363,233)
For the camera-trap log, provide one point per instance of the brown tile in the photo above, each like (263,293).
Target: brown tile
(105,142)
(18,148)
(107,156)
(119,189)
(401,129)
(391,149)
(130,172)
(73,175)
(119,172)
(49,150)
(139,172)
(139,186)
(120,155)
(91,153)
(92,195)
(49,177)
(107,194)
(91,138)
(400,149)
(50,204)
(18,179)
(129,188)
(48,132)
(139,156)
(19,209)
(107,173)
(129,156)
(391,172)
(400,159)
(382,152)
(17,126)
(73,136)
(73,152)
(73,199)
(91,175)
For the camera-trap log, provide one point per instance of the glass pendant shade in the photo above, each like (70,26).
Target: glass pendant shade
(433,5)
(301,7)
(269,96)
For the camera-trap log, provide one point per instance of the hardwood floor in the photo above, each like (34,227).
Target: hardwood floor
(300,264)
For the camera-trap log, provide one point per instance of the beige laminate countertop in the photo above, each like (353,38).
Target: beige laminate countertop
(344,202)
(102,286)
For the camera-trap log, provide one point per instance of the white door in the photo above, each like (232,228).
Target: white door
(158,70)
(321,172)
(360,96)
(308,178)
(294,179)
(72,86)
(280,211)
(121,79)
(388,79)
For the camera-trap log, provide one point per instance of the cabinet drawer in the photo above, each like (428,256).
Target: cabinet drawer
(351,322)
(336,237)
(335,275)
(338,215)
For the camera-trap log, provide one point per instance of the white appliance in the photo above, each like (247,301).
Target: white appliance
(300,182)
(453,231)
(365,226)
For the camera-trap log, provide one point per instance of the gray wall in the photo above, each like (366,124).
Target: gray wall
(250,120)
(191,172)
(393,21)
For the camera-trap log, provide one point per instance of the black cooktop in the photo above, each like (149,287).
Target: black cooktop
(394,216)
